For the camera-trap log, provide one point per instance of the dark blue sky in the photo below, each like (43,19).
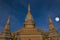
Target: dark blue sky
(40,9)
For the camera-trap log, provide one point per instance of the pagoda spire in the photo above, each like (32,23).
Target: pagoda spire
(29,16)
(7,25)
(52,31)
(50,21)
(8,21)
(6,32)
(51,26)
(29,19)
(29,7)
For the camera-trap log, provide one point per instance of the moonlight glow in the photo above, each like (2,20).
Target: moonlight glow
(57,19)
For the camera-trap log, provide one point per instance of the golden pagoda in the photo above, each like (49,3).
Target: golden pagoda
(53,34)
(29,22)
(29,31)
(6,34)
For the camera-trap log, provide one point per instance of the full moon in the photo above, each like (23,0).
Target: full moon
(57,19)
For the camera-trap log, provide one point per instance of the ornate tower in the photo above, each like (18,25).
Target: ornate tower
(29,22)
(53,34)
(6,34)
(51,26)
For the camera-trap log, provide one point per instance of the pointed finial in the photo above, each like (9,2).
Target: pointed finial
(29,19)
(51,26)
(49,19)
(8,21)
(29,7)
(29,16)
(7,25)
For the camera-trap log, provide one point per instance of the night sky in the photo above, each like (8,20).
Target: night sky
(40,10)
